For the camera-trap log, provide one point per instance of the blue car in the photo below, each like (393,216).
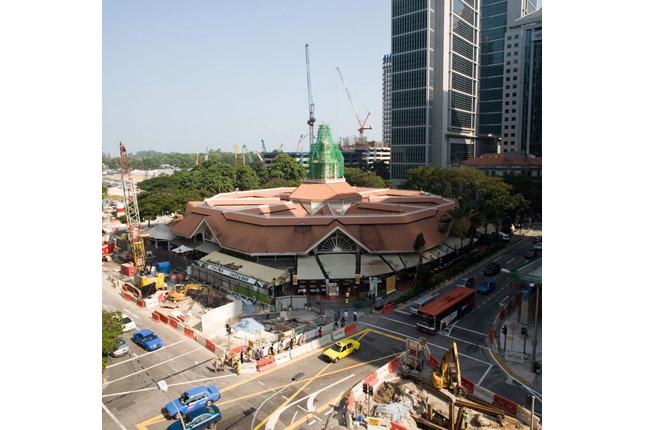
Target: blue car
(148,340)
(486,286)
(191,400)
(200,418)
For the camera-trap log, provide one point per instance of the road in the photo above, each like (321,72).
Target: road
(131,399)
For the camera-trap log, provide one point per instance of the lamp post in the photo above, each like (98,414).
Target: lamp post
(295,378)
(164,388)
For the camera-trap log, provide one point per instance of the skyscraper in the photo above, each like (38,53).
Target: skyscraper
(435,54)
(500,91)
(387,99)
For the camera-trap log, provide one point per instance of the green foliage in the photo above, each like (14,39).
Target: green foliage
(104,191)
(279,183)
(112,328)
(381,168)
(359,178)
(419,242)
(285,167)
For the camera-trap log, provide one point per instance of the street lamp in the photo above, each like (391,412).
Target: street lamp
(296,377)
(164,388)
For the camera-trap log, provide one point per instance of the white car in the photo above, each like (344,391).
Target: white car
(122,349)
(538,246)
(128,324)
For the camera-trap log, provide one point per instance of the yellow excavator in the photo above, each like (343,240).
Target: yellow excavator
(180,292)
(447,374)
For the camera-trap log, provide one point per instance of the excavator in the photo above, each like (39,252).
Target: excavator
(447,374)
(181,291)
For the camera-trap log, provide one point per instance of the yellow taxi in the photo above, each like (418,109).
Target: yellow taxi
(341,349)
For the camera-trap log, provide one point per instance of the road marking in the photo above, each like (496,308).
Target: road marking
(403,312)
(504,301)
(294,417)
(170,385)
(399,322)
(472,331)
(484,375)
(392,331)
(113,417)
(155,365)
(142,355)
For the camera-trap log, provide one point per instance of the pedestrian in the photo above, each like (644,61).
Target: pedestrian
(338,314)
(345,314)
(336,325)
(319,332)
(342,322)
(267,315)
(355,315)
(271,350)
(242,356)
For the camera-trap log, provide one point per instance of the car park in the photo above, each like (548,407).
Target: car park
(486,286)
(341,349)
(200,418)
(190,400)
(468,282)
(147,340)
(122,349)
(492,269)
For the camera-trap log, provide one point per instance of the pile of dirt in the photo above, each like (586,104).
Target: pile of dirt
(385,393)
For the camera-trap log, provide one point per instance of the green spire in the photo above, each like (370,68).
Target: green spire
(326,162)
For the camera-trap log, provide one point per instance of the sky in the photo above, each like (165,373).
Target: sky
(186,76)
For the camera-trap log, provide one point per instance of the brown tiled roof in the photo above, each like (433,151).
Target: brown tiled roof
(330,191)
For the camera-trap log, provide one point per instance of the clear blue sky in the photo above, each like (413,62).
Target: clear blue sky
(183,76)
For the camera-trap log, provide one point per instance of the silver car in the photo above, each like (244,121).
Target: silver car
(122,349)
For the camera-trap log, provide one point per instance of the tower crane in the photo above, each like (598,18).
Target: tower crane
(259,156)
(281,145)
(311,120)
(235,153)
(361,124)
(134,224)
(249,155)
(299,148)
(264,148)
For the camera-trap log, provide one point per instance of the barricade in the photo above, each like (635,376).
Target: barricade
(266,367)
(238,349)
(155,316)
(248,368)
(266,361)
(338,334)
(371,380)
(127,296)
(189,332)
(350,329)
(172,322)
(141,303)
(505,404)
(396,426)
(484,394)
(164,319)
(492,336)
(394,364)
(432,361)
(210,346)
(468,385)
(524,416)
(501,315)
(387,308)
(282,358)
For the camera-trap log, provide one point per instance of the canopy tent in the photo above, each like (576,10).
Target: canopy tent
(341,266)
(373,265)
(160,232)
(308,269)
(208,247)
(182,249)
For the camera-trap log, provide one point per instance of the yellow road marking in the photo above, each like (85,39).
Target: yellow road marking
(310,415)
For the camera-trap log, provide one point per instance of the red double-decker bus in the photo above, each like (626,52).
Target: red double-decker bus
(445,310)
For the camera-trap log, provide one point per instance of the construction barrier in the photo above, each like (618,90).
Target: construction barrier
(210,346)
(189,332)
(282,358)
(164,319)
(266,361)
(484,394)
(505,404)
(266,367)
(502,314)
(141,303)
(338,334)
(248,368)
(237,349)
(396,426)
(350,329)
(155,317)
(468,385)
(371,379)
(127,296)
(492,336)
(172,322)
(394,364)
(524,416)
(387,309)
(432,361)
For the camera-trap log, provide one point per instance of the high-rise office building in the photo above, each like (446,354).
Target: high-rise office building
(435,54)
(387,99)
(500,89)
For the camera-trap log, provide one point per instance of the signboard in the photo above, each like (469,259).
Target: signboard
(357,278)
(390,284)
(536,34)
(295,279)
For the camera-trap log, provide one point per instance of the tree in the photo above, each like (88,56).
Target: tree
(245,177)
(112,328)
(381,168)
(284,166)
(419,243)
(359,178)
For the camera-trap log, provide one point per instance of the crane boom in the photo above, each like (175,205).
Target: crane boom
(361,124)
(249,155)
(132,212)
(312,120)
(264,148)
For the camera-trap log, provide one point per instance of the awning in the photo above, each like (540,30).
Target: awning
(409,259)
(434,253)
(454,242)
(182,249)
(233,267)
(208,247)
(372,265)
(160,232)
(341,266)
(308,269)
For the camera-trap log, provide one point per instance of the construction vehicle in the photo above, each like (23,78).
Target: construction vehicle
(143,277)
(447,374)
(180,292)
(361,124)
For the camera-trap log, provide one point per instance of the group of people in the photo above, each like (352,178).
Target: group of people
(341,321)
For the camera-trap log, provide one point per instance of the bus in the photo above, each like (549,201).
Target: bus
(445,310)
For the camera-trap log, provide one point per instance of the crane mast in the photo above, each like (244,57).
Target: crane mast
(361,124)
(132,212)
(312,120)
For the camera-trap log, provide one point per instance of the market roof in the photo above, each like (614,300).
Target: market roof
(243,267)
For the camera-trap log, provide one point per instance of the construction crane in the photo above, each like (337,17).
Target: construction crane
(235,153)
(311,120)
(249,155)
(197,160)
(281,145)
(299,148)
(259,156)
(264,148)
(134,225)
(361,124)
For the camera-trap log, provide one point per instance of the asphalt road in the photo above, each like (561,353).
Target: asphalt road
(271,399)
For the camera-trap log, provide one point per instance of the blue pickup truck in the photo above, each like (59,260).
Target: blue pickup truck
(191,400)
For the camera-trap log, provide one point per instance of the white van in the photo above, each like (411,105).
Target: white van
(421,302)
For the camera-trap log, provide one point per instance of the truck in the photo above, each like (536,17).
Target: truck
(190,400)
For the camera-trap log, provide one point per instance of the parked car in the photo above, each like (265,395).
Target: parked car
(537,239)
(538,246)
(200,418)
(341,349)
(122,349)
(530,255)
(148,340)
(505,237)
(492,268)
(486,286)
(466,282)
(190,401)
(128,324)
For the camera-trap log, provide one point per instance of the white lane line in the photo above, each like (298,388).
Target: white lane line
(294,417)
(170,385)
(142,355)
(399,322)
(504,301)
(484,375)
(113,417)
(403,312)
(155,365)
(472,331)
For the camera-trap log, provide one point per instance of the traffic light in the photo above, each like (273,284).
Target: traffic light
(228,329)
(371,390)
(504,330)
(524,332)
(365,388)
